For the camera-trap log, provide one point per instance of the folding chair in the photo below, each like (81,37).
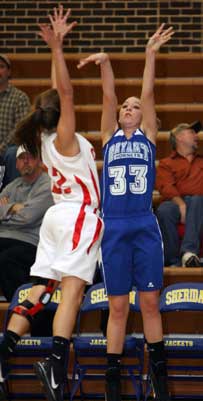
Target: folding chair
(20,379)
(90,351)
(184,351)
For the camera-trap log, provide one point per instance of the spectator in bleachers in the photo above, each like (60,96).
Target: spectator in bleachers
(14,104)
(180,183)
(23,204)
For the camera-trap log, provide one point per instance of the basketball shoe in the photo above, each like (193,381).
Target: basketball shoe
(3,395)
(190,259)
(53,383)
(113,385)
(160,386)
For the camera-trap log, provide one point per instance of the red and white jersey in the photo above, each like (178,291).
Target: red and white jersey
(73,179)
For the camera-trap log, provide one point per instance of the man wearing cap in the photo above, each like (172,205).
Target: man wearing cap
(180,183)
(23,203)
(14,104)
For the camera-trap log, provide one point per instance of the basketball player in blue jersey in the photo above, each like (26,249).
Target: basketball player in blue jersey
(132,246)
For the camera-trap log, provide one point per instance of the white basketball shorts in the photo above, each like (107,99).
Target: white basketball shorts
(70,238)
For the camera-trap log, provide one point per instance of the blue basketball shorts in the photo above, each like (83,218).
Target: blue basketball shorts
(132,254)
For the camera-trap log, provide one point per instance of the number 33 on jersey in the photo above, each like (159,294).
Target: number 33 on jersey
(129,172)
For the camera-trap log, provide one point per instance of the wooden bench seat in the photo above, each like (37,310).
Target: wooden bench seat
(88,117)
(88,90)
(163,145)
(124,64)
(161,136)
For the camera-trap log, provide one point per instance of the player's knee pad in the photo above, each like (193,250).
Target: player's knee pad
(27,308)
(23,309)
(50,288)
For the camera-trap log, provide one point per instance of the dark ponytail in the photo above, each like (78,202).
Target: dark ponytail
(27,132)
(45,116)
(50,117)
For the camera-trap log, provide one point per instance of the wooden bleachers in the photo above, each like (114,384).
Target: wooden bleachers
(179,83)
(178,90)
(125,65)
(89,90)
(178,93)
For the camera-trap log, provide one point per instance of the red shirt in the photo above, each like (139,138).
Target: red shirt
(176,176)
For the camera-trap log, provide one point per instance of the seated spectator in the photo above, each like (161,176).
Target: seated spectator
(14,105)
(23,204)
(180,183)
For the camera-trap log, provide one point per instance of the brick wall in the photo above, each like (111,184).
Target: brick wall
(109,25)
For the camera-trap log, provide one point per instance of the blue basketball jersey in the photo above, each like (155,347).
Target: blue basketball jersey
(128,175)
